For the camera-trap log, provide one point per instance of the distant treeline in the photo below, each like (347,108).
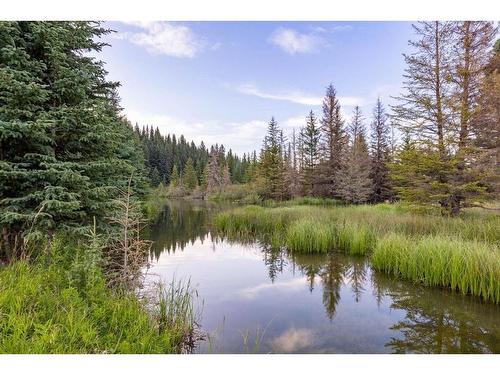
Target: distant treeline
(163,153)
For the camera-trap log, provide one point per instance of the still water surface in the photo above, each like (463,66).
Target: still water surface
(258,299)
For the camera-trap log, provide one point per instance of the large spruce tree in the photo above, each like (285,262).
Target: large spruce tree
(64,151)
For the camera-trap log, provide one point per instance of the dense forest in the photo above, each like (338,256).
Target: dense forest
(168,158)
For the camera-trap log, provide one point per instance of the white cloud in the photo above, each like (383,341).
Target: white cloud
(291,96)
(293,42)
(286,286)
(296,96)
(164,38)
(293,339)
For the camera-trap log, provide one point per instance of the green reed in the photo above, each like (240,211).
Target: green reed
(468,266)
(461,253)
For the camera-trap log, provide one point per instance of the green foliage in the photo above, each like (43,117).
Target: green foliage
(271,169)
(310,136)
(470,242)
(47,309)
(175,178)
(189,178)
(65,152)
(469,266)
(310,236)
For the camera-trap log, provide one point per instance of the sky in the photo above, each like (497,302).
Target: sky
(221,82)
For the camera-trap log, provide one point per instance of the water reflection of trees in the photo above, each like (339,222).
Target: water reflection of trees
(439,321)
(330,270)
(436,320)
(179,224)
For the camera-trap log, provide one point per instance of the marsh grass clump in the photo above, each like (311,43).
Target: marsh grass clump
(174,311)
(354,238)
(471,267)
(310,236)
(460,253)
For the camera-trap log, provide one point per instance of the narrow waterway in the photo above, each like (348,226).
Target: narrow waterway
(254,298)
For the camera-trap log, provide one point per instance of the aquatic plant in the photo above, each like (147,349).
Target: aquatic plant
(310,236)
(461,253)
(468,266)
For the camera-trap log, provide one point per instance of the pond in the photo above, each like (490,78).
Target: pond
(258,299)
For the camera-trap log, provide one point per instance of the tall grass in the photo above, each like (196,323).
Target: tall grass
(43,311)
(468,266)
(354,238)
(458,252)
(310,236)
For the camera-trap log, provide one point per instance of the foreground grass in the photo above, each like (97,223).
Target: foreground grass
(461,253)
(42,311)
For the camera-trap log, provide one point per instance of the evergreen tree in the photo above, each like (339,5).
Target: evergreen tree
(381,189)
(174,177)
(311,139)
(65,152)
(189,178)
(439,107)
(271,166)
(155,177)
(334,142)
(355,184)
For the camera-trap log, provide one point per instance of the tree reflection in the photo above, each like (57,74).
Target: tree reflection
(274,259)
(435,320)
(440,321)
(180,223)
(331,270)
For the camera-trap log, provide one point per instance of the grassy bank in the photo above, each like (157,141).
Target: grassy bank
(461,253)
(46,306)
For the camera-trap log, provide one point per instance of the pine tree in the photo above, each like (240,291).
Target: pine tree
(174,177)
(189,178)
(271,167)
(380,153)
(355,184)
(334,142)
(311,140)
(155,177)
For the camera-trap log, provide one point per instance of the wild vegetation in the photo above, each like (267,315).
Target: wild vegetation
(461,253)
(72,176)
(72,167)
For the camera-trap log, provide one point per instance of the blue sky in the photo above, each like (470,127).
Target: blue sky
(222,81)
